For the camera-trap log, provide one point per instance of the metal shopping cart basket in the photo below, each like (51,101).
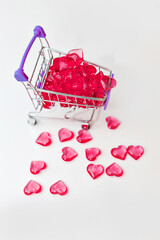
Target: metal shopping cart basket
(34,85)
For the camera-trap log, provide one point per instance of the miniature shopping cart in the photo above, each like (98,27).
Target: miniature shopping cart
(35,84)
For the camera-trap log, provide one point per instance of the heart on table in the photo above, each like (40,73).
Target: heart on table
(32,187)
(92,153)
(68,154)
(65,135)
(135,151)
(95,170)
(37,166)
(83,136)
(44,139)
(114,170)
(112,122)
(59,188)
(120,152)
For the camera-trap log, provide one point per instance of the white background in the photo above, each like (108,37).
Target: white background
(125,36)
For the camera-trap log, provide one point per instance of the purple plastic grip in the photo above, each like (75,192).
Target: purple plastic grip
(19,74)
(108,97)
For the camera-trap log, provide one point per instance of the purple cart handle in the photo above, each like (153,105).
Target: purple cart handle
(19,74)
(108,97)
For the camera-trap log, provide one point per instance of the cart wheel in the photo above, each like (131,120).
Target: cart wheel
(32,121)
(86,126)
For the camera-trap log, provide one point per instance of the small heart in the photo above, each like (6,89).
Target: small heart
(114,170)
(135,151)
(119,152)
(112,122)
(83,136)
(95,170)
(92,153)
(65,135)
(44,139)
(68,154)
(32,187)
(59,188)
(37,166)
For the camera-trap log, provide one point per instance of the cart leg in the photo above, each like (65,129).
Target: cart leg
(86,125)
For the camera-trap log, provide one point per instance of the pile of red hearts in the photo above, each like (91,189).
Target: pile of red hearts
(72,75)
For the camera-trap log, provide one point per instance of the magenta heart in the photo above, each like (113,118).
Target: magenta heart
(83,136)
(44,139)
(68,154)
(32,187)
(92,153)
(112,122)
(135,151)
(37,166)
(119,152)
(59,188)
(95,170)
(114,170)
(65,135)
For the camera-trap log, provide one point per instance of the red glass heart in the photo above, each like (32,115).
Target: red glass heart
(135,151)
(79,52)
(32,187)
(37,166)
(59,188)
(95,170)
(68,154)
(83,136)
(114,170)
(119,152)
(44,139)
(92,153)
(65,135)
(112,122)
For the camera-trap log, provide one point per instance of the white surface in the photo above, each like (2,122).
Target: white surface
(123,35)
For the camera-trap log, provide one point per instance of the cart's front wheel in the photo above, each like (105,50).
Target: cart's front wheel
(32,121)
(85,126)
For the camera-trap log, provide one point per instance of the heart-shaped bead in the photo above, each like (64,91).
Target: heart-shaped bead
(32,187)
(37,166)
(68,154)
(119,152)
(59,188)
(44,139)
(95,170)
(92,153)
(135,151)
(114,170)
(65,135)
(83,136)
(112,122)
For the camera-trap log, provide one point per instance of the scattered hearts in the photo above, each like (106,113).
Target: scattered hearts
(37,166)
(135,151)
(68,154)
(83,136)
(95,170)
(59,188)
(44,139)
(112,122)
(32,187)
(119,152)
(92,153)
(65,135)
(114,170)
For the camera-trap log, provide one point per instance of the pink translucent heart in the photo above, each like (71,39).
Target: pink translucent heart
(114,170)
(95,170)
(83,136)
(59,188)
(68,154)
(79,52)
(135,151)
(44,139)
(120,152)
(37,166)
(32,187)
(112,122)
(92,153)
(65,135)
